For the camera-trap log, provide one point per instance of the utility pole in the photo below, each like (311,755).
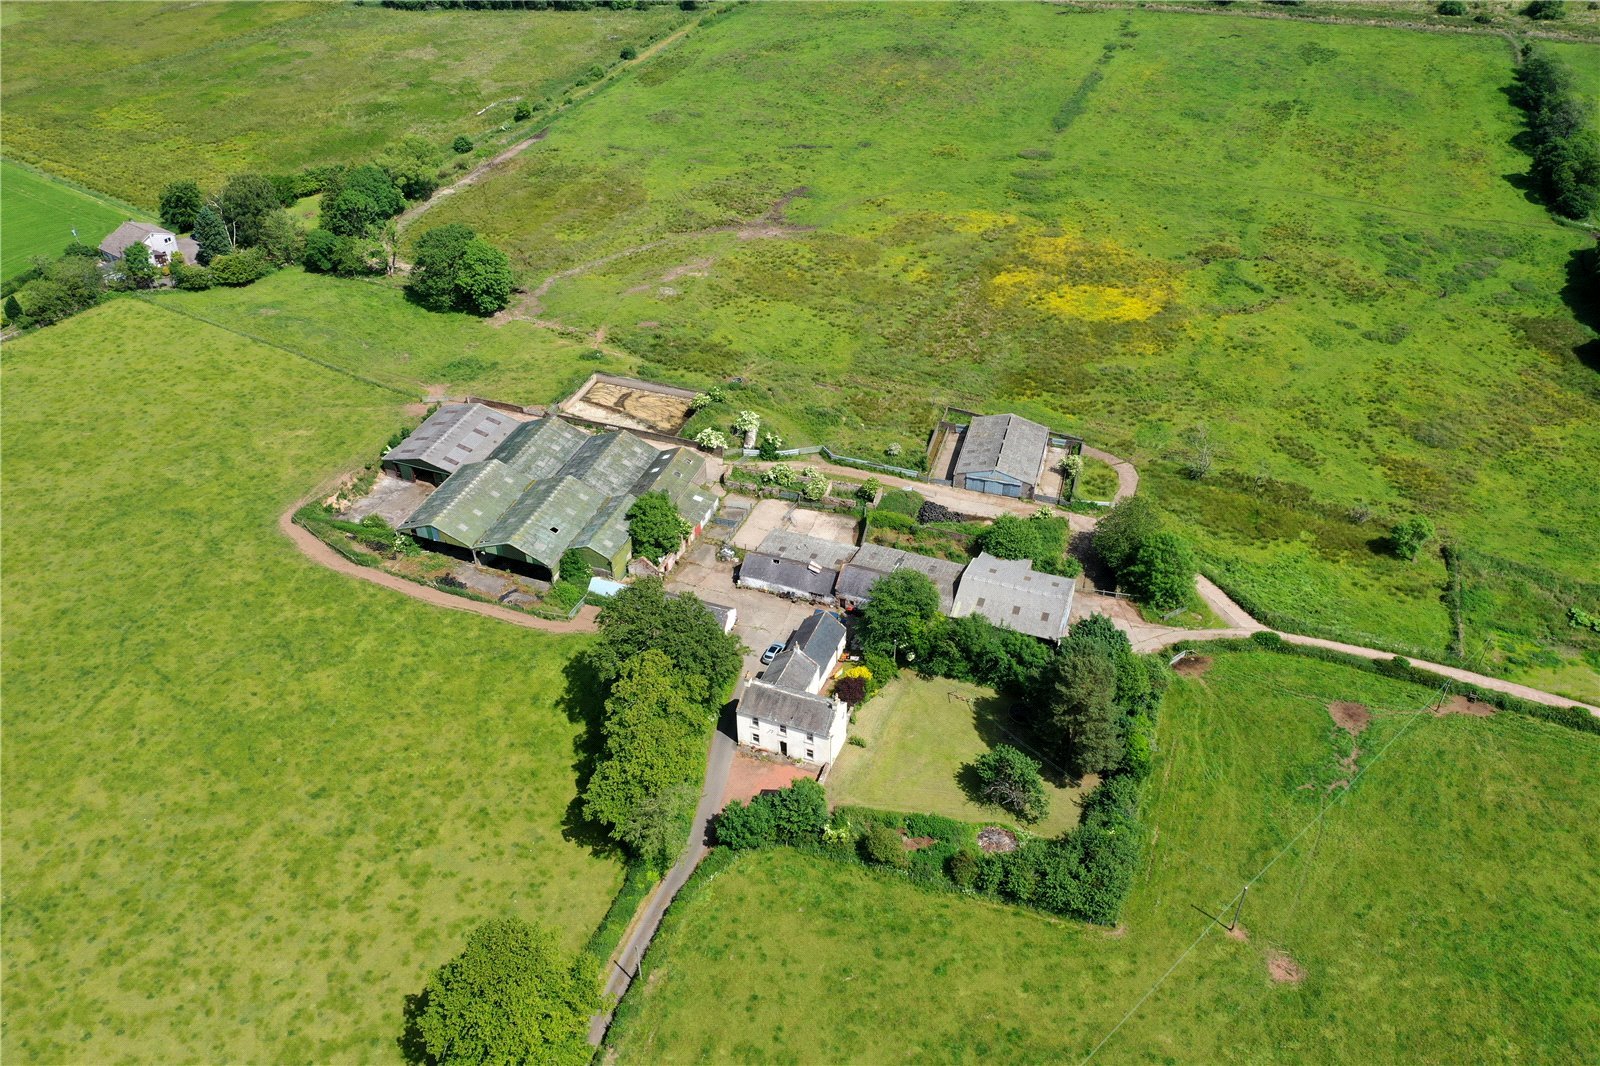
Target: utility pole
(1243,892)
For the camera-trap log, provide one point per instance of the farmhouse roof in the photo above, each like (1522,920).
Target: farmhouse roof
(874,561)
(1010,593)
(469,502)
(797,547)
(788,574)
(128,233)
(454,435)
(791,669)
(540,448)
(1008,443)
(819,636)
(610,462)
(545,520)
(797,710)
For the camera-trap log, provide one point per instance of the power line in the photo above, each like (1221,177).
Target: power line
(1435,700)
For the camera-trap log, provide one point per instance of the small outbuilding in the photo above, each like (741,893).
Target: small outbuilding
(787,577)
(873,562)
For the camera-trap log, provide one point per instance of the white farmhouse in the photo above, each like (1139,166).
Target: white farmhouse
(781,711)
(162,243)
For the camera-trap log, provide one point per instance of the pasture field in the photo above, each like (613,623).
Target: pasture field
(94,91)
(249,803)
(38,215)
(1306,242)
(920,732)
(1441,913)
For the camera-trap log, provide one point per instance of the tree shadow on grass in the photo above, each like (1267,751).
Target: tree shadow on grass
(583,700)
(412,1048)
(1581,294)
(996,722)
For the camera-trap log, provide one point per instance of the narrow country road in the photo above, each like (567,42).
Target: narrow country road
(625,961)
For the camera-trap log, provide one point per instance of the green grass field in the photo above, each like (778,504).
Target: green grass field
(38,215)
(918,739)
(98,91)
(1442,912)
(249,803)
(1308,239)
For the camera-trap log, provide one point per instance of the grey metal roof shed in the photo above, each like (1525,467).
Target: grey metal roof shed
(1006,445)
(454,435)
(1010,593)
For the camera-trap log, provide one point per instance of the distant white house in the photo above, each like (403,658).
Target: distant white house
(781,711)
(162,243)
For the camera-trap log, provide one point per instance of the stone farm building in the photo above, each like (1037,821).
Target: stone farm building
(162,243)
(522,494)
(783,712)
(1011,593)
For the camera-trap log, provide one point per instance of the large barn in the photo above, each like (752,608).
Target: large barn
(1003,455)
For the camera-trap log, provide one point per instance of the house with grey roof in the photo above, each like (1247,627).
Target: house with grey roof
(874,561)
(1011,593)
(453,436)
(162,243)
(783,711)
(1001,454)
(787,577)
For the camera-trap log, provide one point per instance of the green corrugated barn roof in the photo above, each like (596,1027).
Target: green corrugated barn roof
(540,448)
(677,472)
(607,532)
(469,502)
(544,520)
(611,462)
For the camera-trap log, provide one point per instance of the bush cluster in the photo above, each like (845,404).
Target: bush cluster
(1155,565)
(1040,538)
(1565,144)
(456,270)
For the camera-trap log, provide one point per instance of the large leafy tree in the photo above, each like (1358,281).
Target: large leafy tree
(483,279)
(246,203)
(1007,778)
(413,166)
(655,526)
(643,788)
(180,203)
(1123,528)
(211,235)
(513,996)
(137,266)
(435,262)
(1162,571)
(899,614)
(356,200)
(642,617)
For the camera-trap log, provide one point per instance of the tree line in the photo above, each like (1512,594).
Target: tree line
(1561,127)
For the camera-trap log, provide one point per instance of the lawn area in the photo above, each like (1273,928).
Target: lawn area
(920,732)
(94,91)
(1441,913)
(38,215)
(1309,240)
(249,803)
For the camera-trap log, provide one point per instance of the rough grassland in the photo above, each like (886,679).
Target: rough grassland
(249,804)
(127,96)
(918,739)
(38,215)
(1310,240)
(1442,914)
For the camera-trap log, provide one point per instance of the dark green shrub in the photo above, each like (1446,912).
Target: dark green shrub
(629,52)
(462,144)
(962,868)
(799,812)
(575,568)
(1545,10)
(1452,7)
(882,845)
(191,278)
(746,826)
(241,268)
(523,112)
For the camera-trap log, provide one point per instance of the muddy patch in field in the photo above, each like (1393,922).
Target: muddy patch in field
(911,843)
(1462,705)
(1238,932)
(1284,970)
(1192,666)
(1351,717)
